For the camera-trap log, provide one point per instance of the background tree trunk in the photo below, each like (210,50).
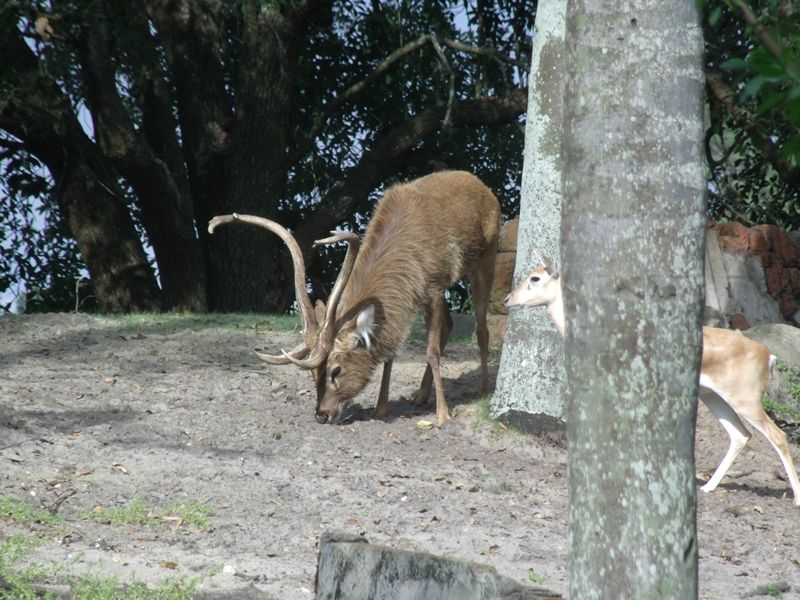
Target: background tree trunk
(632,247)
(528,391)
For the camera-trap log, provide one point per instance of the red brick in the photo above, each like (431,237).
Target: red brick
(738,321)
(774,277)
(757,242)
(788,306)
(733,237)
(784,247)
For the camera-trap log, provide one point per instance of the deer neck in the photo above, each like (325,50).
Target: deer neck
(555,309)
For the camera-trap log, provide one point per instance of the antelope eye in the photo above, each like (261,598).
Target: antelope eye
(337,370)
(534,279)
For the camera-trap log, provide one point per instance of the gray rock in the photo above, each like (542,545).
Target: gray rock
(782,340)
(735,284)
(349,568)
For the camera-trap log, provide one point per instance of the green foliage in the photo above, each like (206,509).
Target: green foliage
(754,146)
(39,262)
(339,48)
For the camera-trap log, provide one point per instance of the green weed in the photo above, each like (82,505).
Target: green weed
(535,578)
(167,323)
(192,515)
(23,512)
(792,379)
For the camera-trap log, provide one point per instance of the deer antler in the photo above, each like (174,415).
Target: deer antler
(299,352)
(328,334)
(310,325)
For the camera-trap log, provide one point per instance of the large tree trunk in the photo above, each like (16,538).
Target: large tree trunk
(121,276)
(87,194)
(632,249)
(248,270)
(528,391)
(149,157)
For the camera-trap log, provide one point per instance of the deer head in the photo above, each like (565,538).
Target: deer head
(539,288)
(326,340)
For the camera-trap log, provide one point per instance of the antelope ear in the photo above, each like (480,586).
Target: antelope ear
(550,267)
(365,326)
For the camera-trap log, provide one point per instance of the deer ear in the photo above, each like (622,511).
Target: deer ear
(365,326)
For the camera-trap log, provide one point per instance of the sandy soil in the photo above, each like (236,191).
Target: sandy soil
(94,414)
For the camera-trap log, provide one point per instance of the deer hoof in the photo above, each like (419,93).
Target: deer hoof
(420,398)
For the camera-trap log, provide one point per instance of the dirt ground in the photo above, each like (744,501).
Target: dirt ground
(95,414)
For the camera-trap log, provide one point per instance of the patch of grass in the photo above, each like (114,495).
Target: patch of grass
(772,589)
(792,379)
(18,583)
(94,587)
(21,584)
(535,578)
(777,408)
(23,512)
(192,515)
(167,323)
(136,513)
(482,415)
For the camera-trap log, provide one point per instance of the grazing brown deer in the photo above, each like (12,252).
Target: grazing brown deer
(424,236)
(734,373)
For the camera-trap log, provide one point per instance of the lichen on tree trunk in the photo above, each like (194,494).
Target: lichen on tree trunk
(531,366)
(632,249)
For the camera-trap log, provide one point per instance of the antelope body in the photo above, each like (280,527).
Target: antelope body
(424,236)
(734,373)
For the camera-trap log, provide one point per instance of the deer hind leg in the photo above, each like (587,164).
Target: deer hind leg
(382,408)
(435,345)
(422,395)
(481,287)
(737,432)
(755,415)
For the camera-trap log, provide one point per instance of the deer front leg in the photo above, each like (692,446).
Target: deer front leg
(736,431)
(382,408)
(423,394)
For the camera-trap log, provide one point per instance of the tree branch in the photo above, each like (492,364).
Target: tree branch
(337,102)
(392,150)
(492,53)
(761,32)
(727,97)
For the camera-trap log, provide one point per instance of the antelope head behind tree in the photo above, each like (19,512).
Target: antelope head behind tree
(424,236)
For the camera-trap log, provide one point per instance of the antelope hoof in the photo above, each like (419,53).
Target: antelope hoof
(381,410)
(442,418)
